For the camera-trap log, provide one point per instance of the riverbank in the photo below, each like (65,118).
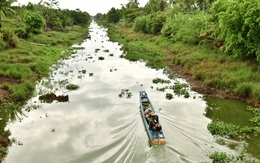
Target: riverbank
(23,66)
(207,70)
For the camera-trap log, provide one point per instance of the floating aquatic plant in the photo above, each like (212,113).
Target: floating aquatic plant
(162,89)
(84,71)
(169,96)
(125,93)
(101,58)
(162,81)
(96,50)
(180,89)
(72,87)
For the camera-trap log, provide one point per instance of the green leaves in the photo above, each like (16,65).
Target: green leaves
(150,24)
(239,25)
(34,21)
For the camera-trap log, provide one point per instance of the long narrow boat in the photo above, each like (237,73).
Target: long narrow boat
(145,104)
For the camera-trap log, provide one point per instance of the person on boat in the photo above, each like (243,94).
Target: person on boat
(154,124)
(148,113)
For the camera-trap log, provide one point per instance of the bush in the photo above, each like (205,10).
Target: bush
(238,23)
(150,24)
(244,89)
(140,24)
(2,43)
(187,28)
(21,32)
(9,36)
(34,21)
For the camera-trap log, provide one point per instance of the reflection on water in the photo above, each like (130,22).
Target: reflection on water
(96,125)
(235,112)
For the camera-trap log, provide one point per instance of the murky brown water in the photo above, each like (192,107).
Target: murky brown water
(98,126)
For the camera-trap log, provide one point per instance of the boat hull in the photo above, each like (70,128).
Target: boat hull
(145,103)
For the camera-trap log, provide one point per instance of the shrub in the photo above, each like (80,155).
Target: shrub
(238,23)
(244,89)
(187,28)
(150,24)
(2,42)
(9,36)
(140,24)
(34,21)
(21,32)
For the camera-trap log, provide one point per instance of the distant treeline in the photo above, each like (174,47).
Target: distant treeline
(21,21)
(232,26)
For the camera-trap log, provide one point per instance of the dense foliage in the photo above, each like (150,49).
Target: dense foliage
(231,26)
(150,24)
(222,157)
(22,21)
(239,25)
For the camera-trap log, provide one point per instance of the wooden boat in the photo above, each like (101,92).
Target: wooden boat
(146,106)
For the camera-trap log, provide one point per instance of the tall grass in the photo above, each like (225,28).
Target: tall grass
(22,91)
(31,59)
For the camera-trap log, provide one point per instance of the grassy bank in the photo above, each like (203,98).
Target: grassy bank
(209,72)
(214,72)
(22,66)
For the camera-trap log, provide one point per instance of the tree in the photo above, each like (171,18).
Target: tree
(47,10)
(132,3)
(205,4)
(113,15)
(33,22)
(184,5)
(155,5)
(130,11)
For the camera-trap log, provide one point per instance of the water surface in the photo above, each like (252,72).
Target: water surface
(96,125)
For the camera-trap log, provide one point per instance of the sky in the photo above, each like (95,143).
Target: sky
(91,6)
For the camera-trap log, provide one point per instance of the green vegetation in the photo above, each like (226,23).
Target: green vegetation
(222,157)
(213,43)
(213,51)
(125,93)
(72,87)
(235,131)
(214,68)
(101,58)
(159,80)
(247,132)
(169,96)
(180,89)
(32,38)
